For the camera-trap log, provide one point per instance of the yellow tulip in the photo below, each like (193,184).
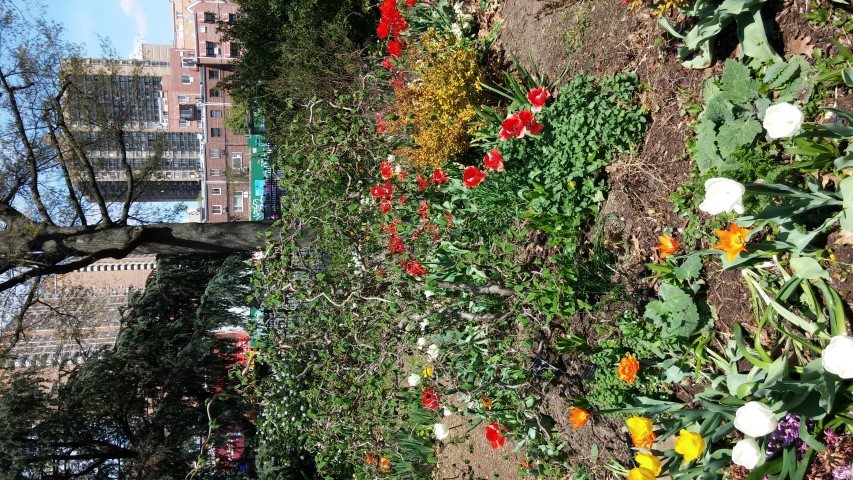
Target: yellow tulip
(649,462)
(641,430)
(689,444)
(640,473)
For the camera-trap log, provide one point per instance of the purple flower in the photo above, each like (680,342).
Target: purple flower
(842,473)
(787,433)
(832,439)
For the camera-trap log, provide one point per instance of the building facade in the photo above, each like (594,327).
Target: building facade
(175,103)
(78,313)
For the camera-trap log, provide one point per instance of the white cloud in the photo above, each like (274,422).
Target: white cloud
(134,10)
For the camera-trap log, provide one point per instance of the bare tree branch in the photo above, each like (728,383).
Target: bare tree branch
(82,157)
(66,175)
(24,138)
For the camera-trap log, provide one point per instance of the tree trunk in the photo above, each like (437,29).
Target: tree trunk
(162,238)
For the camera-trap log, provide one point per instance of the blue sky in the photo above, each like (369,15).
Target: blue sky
(124,22)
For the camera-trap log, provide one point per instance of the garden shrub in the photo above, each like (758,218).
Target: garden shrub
(437,105)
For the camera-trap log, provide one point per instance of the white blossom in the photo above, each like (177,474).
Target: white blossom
(722,195)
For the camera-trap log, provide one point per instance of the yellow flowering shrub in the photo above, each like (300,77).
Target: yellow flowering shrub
(437,105)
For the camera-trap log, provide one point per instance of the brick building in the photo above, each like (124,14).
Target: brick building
(77,313)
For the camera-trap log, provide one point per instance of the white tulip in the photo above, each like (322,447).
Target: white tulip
(447,412)
(424,324)
(722,195)
(782,120)
(432,352)
(421,343)
(414,380)
(755,419)
(838,356)
(746,453)
(441,431)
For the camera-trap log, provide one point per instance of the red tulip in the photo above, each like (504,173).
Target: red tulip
(511,127)
(493,434)
(494,160)
(422,183)
(537,97)
(430,398)
(385,169)
(395,48)
(472,176)
(529,122)
(439,176)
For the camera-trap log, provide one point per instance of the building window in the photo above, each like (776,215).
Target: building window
(214,153)
(213,74)
(235,49)
(183,123)
(202,29)
(210,49)
(216,209)
(237,160)
(187,112)
(216,113)
(232,18)
(179,15)
(215,172)
(182,99)
(186,78)
(214,93)
(216,132)
(216,191)
(209,17)
(238,201)
(188,62)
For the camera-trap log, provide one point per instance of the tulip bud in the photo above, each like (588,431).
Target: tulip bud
(755,419)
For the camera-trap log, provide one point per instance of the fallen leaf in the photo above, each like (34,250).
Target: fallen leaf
(844,238)
(801,46)
(829,178)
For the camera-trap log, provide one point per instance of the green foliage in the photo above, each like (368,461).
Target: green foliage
(674,315)
(586,126)
(729,126)
(137,408)
(712,17)
(294,51)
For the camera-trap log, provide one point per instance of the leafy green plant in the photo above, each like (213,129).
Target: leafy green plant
(712,17)
(734,105)
(585,127)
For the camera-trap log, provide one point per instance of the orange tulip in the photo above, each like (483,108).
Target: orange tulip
(628,368)
(668,246)
(578,417)
(732,241)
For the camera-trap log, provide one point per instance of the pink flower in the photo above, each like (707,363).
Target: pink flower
(494,160)
(537,97)
(472,176)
